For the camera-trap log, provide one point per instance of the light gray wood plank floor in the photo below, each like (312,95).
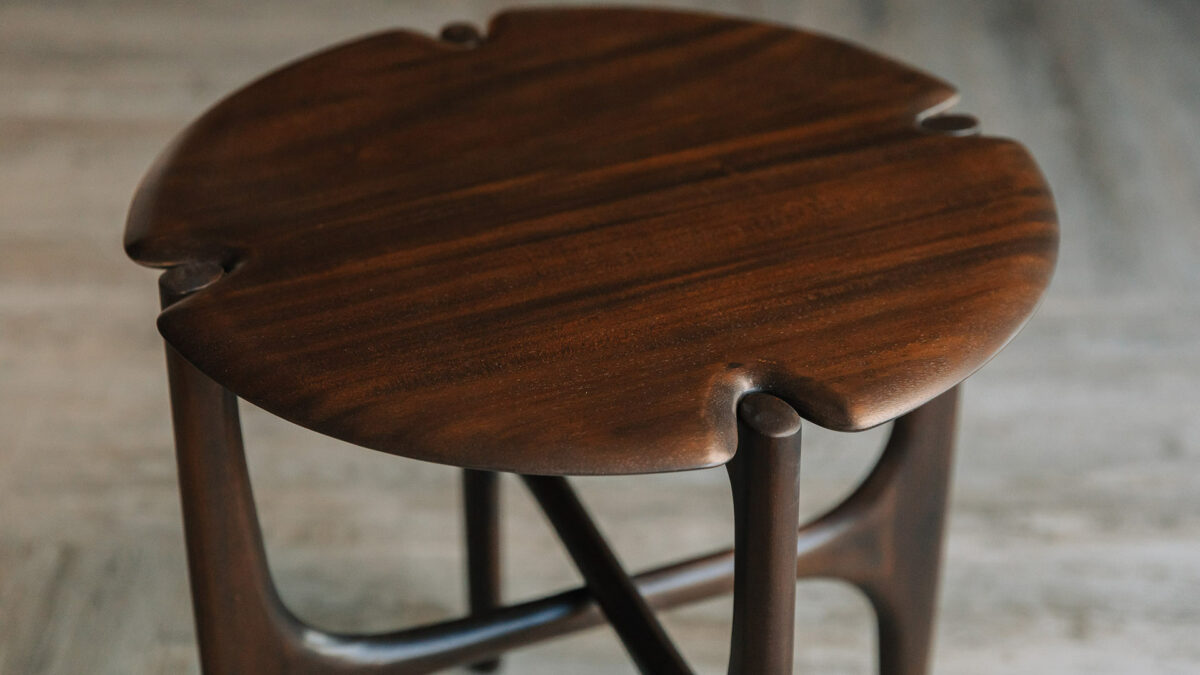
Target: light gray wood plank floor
(1075,538)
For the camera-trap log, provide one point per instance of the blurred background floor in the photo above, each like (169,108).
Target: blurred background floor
(1074,541)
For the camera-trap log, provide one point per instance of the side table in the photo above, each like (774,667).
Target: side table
(591,241)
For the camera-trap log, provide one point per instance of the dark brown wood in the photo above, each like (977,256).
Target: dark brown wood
(886,538)
(765,477)
(242,625)
(463,34)
(238,614)
(236,609)
(624,607)
(481,511)
(951,125)
(571,245)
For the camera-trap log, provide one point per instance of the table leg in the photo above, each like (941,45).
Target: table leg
(481,511)
(764,475)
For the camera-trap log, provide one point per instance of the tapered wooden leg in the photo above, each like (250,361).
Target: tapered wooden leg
(623,605)
(236,609)
(886,538)
(905,592)
(764,475)
(481,510)
(235,605)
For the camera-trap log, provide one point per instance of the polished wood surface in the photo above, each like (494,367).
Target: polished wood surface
(1089,413)
(572,247)
(765,479)
(623,605)
(884,538)
(481,525)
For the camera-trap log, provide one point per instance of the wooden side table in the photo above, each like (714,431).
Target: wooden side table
(592,242)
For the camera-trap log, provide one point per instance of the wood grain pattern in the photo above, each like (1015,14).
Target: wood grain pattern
(572,248)
(1081,443)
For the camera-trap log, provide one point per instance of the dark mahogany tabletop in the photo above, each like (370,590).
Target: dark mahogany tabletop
(570,247)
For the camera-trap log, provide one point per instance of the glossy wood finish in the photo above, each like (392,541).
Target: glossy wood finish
(481,516)
(765,478)
(885,538)
(573,247)
(616,264)
(623,605)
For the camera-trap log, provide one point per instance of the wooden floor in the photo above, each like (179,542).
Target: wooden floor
(1075,538)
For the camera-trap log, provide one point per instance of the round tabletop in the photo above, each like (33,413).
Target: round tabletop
(569,246)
